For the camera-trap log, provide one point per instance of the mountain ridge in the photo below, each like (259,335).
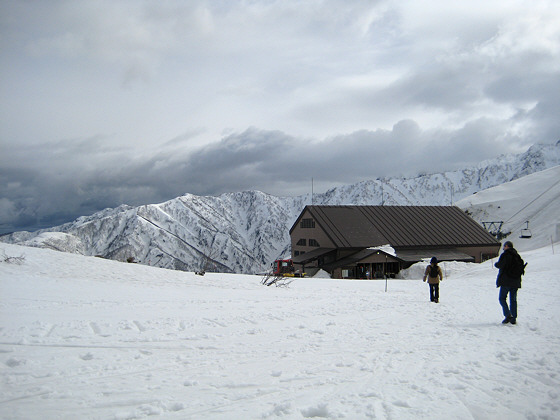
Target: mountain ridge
(242,232)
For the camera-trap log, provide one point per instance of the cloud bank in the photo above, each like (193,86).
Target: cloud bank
(111,102)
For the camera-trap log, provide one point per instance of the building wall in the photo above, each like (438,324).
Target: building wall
(315,233)
(481,253)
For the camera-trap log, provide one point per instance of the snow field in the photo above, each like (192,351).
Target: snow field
(82,337)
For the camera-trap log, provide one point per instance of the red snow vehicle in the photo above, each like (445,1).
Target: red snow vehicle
(285,268)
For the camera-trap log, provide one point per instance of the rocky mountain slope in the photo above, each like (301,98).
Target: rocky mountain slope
(243,232)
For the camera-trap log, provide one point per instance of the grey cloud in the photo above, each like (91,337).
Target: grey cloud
(380,89)
(543,119)
(78,178)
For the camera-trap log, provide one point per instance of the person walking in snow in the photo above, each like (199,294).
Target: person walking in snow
(509,282)
(434,275)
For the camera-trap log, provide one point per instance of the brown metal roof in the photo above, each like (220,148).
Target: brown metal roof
(404,255)
(311,255)
(399,226)
(351,259)
(440,254)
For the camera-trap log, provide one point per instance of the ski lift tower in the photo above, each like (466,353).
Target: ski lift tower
(495,229)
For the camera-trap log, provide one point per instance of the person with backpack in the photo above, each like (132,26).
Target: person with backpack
(434,275)
(511,268)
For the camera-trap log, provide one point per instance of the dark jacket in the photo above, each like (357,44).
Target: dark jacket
(506,260)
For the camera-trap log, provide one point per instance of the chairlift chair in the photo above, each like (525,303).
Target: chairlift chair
(526,233)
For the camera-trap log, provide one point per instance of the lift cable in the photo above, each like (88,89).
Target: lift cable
(532,201)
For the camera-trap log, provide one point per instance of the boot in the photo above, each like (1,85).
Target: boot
(508,319)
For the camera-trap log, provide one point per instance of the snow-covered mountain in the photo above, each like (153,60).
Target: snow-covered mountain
(526,211)
(243,232)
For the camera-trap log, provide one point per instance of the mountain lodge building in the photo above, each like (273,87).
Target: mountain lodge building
(377,241)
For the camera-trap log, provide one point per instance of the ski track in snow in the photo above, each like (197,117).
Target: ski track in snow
(87,338)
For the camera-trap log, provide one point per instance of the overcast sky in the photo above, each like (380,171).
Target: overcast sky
(136,102)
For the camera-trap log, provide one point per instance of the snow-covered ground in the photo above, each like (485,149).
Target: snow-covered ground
(86,338)
(534,198)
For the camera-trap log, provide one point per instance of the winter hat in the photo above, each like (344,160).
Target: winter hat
(433,260)
(508,244)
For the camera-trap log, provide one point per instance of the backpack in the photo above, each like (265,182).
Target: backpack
(433,271)
(517,267)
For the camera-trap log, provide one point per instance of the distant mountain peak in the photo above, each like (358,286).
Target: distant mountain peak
(243,232)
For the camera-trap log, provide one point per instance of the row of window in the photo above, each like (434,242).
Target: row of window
(304,242)
(307,223)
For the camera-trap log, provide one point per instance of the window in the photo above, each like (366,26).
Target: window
(302,242)
(313,242)
(307,223)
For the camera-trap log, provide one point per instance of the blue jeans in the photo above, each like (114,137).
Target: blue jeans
(512,310)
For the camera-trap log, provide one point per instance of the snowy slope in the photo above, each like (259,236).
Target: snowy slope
(243,232)
(87,338)
(534,198)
